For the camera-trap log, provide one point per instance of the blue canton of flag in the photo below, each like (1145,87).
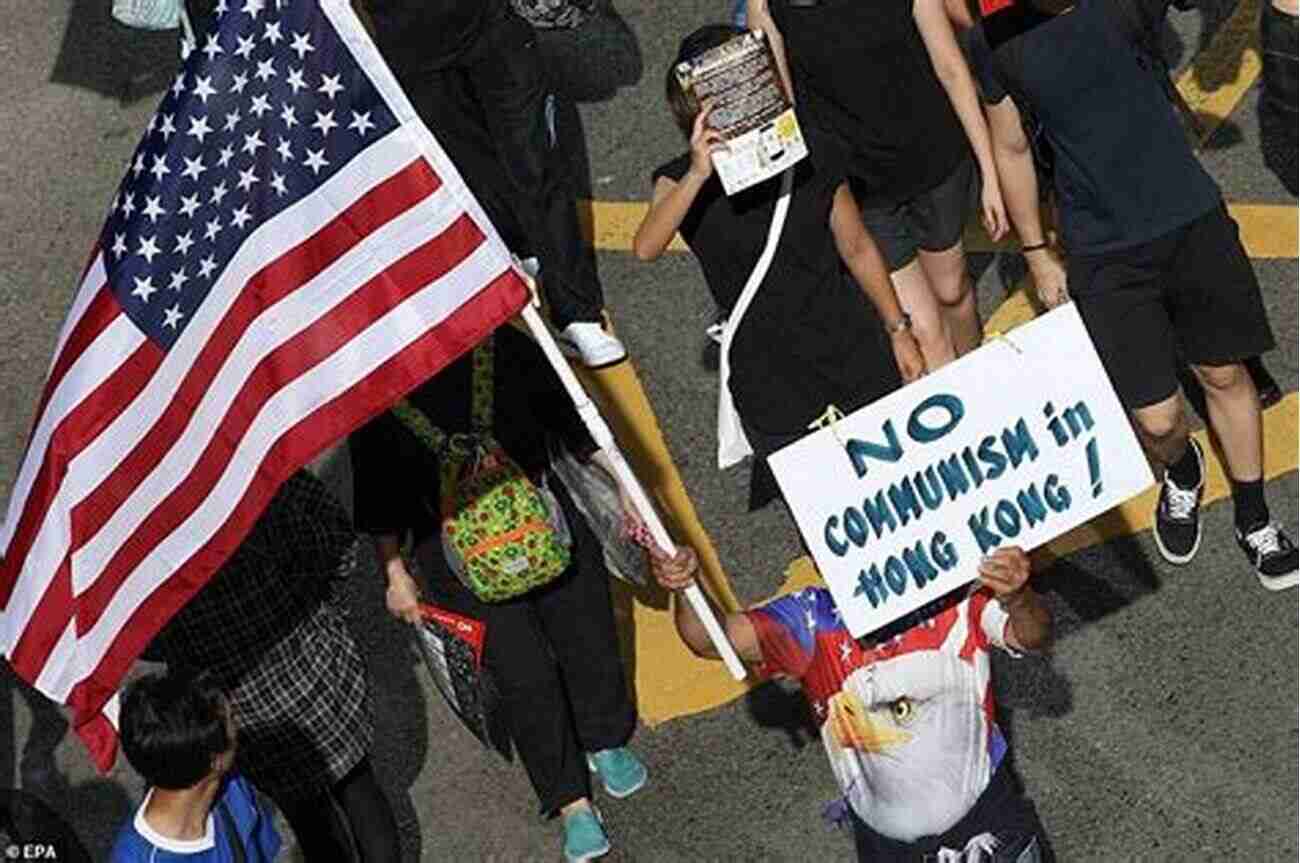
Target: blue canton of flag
(263,111)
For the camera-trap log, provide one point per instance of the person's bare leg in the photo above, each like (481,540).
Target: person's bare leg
(928,324)
(951,284)
(1163,429)
(1233,406)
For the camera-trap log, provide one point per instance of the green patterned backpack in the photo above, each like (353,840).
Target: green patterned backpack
(502,534)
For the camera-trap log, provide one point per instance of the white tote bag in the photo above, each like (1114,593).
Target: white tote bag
(733,446)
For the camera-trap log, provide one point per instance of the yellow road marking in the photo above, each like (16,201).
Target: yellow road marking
(1267,230)
(667,678)
(1222,73)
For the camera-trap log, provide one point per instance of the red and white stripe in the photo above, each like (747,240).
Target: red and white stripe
(146,468)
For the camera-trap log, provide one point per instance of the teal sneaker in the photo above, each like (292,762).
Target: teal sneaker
(584,837)
(622,772)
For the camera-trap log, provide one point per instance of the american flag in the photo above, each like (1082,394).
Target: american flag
(289,252)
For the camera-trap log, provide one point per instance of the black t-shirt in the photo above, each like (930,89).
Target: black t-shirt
(419,36)
(862,75)
(395,475)
(810,336)
(1124,171)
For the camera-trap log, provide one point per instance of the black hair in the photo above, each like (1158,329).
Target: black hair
(683,107)
(172,727)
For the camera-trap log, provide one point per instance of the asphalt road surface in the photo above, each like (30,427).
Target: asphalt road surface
(1163,725)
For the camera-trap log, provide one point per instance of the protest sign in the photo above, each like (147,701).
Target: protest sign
(750,109)
(1013,444)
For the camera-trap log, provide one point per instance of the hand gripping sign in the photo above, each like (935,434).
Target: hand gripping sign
(1013,444)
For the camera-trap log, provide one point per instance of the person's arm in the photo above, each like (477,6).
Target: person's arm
(403,595)
(1006,572)
(672,200)
(862,257)
(384,483)
(678,573)
(759,17)
(950,67)
(1020,190)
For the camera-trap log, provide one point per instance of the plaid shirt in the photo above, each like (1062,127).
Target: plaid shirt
(272,627)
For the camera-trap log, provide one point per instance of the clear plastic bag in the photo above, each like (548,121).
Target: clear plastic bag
(596,496)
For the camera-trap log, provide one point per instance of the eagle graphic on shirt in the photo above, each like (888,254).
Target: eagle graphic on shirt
(908,724)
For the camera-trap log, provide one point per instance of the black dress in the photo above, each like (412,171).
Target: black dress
(552,654)
(810,338)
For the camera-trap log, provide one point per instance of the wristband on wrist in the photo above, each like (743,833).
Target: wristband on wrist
(1034,247)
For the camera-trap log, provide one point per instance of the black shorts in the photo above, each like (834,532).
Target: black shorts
(1187,296)
(932,221)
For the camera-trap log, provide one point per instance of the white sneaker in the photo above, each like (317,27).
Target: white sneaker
(590,343)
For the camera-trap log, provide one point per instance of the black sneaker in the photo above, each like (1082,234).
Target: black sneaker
(1177,525)
(1273,555)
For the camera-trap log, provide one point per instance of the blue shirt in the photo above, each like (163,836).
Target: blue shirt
(138,842)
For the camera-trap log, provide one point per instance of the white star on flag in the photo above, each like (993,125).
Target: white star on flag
(178,279)
(153,208)
(189,205)
(160,169)
(168,127)
(330,86)
(193,167)
(285,149)
(277,183)
(253,7)
(219,192)
(361,122)
(272,33)
(183,242)
(302,45)
(119,245)
(316,160)
(212,229)
(144,288)
(238,82)
(265,71)
(324,123)
(199,129)
(247,179)
(295,81)
(288,116)
(138,167)
(260,105)
(252,141)
(148,248)
(128,204)
(240,217)
(212,48)
(206,266)
(173,316)
(203,88)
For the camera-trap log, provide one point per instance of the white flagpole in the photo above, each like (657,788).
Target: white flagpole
(604,439)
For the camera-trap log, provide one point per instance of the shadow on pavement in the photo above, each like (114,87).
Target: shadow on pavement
(776,704)
(106,57)
(34,815)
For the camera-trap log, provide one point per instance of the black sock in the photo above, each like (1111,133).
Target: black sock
(1186,472)
(1250,511)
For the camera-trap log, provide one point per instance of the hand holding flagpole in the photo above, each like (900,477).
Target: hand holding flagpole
(627,480)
